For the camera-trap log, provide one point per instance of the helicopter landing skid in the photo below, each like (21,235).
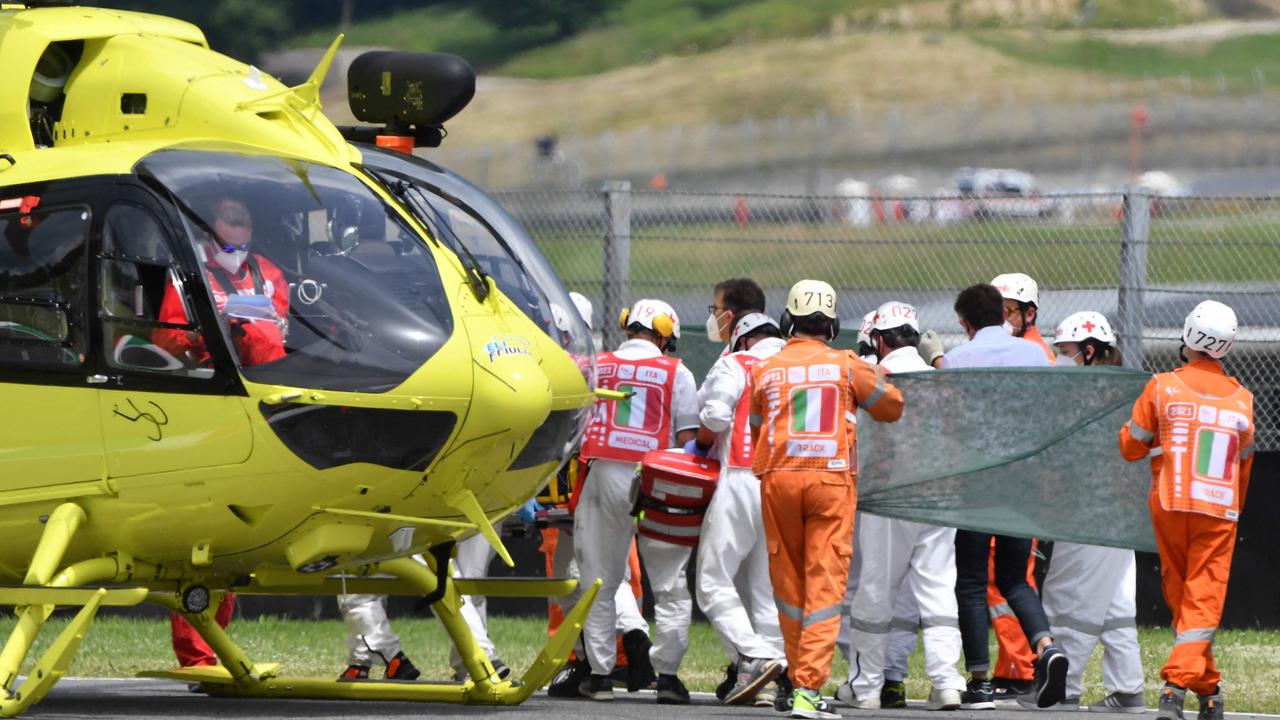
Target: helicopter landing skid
(239,677)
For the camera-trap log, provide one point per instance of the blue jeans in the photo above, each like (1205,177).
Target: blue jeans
(971,592)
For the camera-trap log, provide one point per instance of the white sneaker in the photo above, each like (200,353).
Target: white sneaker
(944,699)
(845,695)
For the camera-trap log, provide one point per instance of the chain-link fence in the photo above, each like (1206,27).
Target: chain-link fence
(1142,261)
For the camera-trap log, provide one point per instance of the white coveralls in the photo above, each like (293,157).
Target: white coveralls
(897,555)
(733,585)
(370,639)
(472,561)
(1089,597)
(603,528)
(628,611)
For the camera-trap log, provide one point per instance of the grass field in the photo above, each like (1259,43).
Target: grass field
(918,257)
(1236,60)
(121,647)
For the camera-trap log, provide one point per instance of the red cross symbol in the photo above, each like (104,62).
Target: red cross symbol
(1088,325)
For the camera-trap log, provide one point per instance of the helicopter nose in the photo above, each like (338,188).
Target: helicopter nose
(511,387)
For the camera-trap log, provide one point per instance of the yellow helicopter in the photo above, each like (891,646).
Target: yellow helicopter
(405,372)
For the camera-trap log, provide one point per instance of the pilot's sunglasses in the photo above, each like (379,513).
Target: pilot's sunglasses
(232,247)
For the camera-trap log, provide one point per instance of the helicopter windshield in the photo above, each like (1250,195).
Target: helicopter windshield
(317,281)
(478,229)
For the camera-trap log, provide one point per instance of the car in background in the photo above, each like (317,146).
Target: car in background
(1000,193)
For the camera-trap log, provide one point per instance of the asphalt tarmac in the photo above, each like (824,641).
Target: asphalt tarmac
(165,700)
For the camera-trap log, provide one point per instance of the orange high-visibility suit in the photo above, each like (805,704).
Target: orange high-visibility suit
(805,398)
(1016,659)
(1196,425)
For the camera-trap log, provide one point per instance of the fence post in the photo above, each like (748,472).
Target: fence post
(617,257)
(1133,274)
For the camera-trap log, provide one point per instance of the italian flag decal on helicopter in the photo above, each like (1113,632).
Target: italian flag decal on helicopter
(638,411)
(813,410)
(139,352)
(1216,454)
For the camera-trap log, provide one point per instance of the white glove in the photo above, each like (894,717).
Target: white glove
(930,346)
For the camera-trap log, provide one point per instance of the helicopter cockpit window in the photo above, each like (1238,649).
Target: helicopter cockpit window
(42,273)
(473,225)
(137,272)
(317,281)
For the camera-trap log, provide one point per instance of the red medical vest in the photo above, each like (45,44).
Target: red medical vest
(625,430)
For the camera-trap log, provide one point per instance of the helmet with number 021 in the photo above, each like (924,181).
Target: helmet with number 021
(1210,328)
(894,314)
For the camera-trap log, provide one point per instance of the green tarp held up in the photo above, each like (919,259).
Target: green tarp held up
(1015,451)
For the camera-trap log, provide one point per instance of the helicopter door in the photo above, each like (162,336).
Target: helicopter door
(50,424)
(162,408)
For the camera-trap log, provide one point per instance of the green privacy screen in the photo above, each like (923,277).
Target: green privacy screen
(1014,451)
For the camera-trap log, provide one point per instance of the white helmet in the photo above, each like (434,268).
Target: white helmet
(811,296)
(1081,325)
(1210,328)
(749,322)
(1016,286)
(864,330)
(894,314)
(654,315)
(585,308)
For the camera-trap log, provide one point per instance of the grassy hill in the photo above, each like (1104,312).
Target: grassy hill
(658,63)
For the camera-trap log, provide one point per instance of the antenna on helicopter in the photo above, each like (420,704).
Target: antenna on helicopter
(411,94)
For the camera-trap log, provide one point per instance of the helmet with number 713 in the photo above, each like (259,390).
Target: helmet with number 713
(1210,328)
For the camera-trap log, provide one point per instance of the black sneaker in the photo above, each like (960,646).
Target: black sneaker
(400,668)
(565,683)
(782,701)
(619,676)
(501,669)
(979,695)
(893,694)
(596,687)
(1051,676)
(730,679)
(1008,692)
(1171,700)
(640,673)
(1211,707)
(671,691)
(353,672)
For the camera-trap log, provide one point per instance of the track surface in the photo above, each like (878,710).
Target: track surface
(145,699)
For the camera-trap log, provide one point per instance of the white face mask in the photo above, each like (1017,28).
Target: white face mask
(1065,359)
(713,328)
(231,261)
(1008,327)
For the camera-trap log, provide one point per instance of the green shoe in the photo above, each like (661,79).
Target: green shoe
(893,694)
(809,704)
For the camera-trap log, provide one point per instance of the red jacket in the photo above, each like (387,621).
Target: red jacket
(256,341)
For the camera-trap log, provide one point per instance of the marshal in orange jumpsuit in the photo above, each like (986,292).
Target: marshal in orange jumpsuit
(805,397)
(1196,425)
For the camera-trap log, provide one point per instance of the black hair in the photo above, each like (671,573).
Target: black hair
(741,295)
(636,330)
(1103,354)
(813,324)
(980,306)
(899,337)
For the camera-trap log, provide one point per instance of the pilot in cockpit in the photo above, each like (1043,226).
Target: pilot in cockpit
(249,290)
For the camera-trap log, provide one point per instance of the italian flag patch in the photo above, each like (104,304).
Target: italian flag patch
(637,411)
(813,410)
(1216,454)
